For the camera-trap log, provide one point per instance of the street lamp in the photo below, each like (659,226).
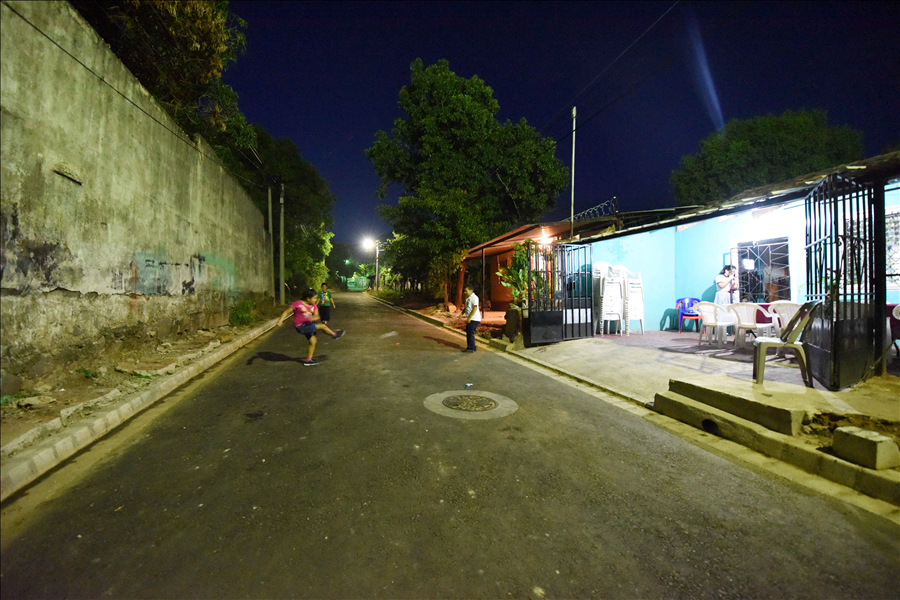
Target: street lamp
(369,243)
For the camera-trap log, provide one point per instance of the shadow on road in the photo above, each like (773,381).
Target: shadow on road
(444,342)
(275,357)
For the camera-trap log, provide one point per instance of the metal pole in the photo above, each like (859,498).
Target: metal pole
(376,265)
(572,206)
(281,251)
(271,245)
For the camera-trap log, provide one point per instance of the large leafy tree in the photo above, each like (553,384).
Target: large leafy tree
(178,51)
(763,150)
(308,202)
(463,176)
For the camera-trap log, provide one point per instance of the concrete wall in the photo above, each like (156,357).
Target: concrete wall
(113,221)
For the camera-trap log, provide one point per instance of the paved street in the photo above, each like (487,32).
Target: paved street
(274,480)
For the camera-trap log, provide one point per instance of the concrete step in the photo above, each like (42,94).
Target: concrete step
(883,485)
(783,420)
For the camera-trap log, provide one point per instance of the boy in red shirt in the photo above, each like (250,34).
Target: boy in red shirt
(306,313)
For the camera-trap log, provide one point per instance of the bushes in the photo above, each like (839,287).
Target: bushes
(240,314)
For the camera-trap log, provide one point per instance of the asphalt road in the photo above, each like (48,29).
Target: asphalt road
(275,480)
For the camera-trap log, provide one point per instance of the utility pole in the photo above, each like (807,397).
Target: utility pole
(271,242)
(572,206)
(281,249)
(376,264)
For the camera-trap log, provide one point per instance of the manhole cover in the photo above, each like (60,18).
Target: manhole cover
(473,404)
(469,403)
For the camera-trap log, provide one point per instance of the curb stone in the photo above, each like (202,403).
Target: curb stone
(879,485)
(24,468)
(493,343)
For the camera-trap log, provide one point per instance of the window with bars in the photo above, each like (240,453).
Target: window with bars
(763,270)
(892,257)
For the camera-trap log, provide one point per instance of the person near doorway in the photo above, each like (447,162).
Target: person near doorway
(326,303)
(473,317)
(726,284)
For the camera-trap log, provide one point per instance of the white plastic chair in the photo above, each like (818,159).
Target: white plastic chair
(789,338)
(612,304)
(713,316)
(746,314)
(785,311)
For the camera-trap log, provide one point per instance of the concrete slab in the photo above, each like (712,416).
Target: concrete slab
(866,448)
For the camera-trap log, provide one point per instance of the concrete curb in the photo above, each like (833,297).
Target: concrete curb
(26,467)
(883,485)
(580,379)
(496,344)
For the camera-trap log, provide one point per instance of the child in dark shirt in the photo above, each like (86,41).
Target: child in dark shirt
(306,315)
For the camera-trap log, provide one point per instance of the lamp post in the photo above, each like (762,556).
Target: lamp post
(369,244)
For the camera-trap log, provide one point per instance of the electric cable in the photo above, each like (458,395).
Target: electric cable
(664,65)
(556,117)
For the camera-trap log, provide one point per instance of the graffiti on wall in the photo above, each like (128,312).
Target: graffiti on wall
(153,273)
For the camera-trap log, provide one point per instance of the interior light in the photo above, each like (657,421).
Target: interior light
(749,264)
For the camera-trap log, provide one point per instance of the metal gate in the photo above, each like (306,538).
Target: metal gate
(560,303)
(841,265)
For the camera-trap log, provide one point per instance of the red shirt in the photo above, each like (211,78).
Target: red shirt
(303,312)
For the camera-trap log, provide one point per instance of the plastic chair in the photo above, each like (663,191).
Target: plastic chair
(895,327)
(789,338)
(686,311)
(746,314)
(785,311)
(714,316)
(612,304)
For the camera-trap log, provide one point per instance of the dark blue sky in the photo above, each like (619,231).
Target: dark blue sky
(327,75)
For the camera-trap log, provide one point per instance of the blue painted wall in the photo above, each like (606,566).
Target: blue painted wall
(682,262)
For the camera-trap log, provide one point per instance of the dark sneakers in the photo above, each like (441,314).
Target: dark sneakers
(338,334)
(309,362)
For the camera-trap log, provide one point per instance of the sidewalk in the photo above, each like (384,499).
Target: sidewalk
(45,446)
(713,389)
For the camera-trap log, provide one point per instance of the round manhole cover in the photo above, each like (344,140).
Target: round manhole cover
(472,404)
(469,403)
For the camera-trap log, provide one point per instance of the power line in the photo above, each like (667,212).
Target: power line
(558,115)
(664,65)
(180,136)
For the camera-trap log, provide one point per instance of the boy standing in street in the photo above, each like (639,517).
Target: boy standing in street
(306,313)
(325,304)
(473,317)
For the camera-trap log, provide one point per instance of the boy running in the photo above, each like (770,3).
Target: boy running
(306,313)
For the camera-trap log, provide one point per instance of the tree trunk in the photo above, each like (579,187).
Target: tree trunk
(460,282)
(447,286)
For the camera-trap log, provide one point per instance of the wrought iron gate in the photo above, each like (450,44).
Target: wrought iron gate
(560,303)
(841,273)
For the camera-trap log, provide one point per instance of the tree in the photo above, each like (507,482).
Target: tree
(763,150)
(307,202)
(463,176)
(178,51)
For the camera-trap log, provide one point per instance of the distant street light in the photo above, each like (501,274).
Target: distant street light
(368,244)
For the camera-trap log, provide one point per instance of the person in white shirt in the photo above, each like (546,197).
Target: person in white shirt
(473,317)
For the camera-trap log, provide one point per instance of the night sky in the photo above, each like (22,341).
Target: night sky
(327,76)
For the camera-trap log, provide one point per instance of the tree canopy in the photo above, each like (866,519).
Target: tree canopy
(762,150)
(178,51)
(463,176)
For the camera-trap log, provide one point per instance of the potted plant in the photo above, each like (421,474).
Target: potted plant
(515,277)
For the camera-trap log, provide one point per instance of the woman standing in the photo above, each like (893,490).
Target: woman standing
(726,284)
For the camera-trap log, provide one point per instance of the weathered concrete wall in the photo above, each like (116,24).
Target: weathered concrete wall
(113,220)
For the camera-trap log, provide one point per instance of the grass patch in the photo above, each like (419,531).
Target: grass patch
(88,374)
(241,313)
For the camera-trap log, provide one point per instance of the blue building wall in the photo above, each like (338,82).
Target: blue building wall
(683,261)
(652,255)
